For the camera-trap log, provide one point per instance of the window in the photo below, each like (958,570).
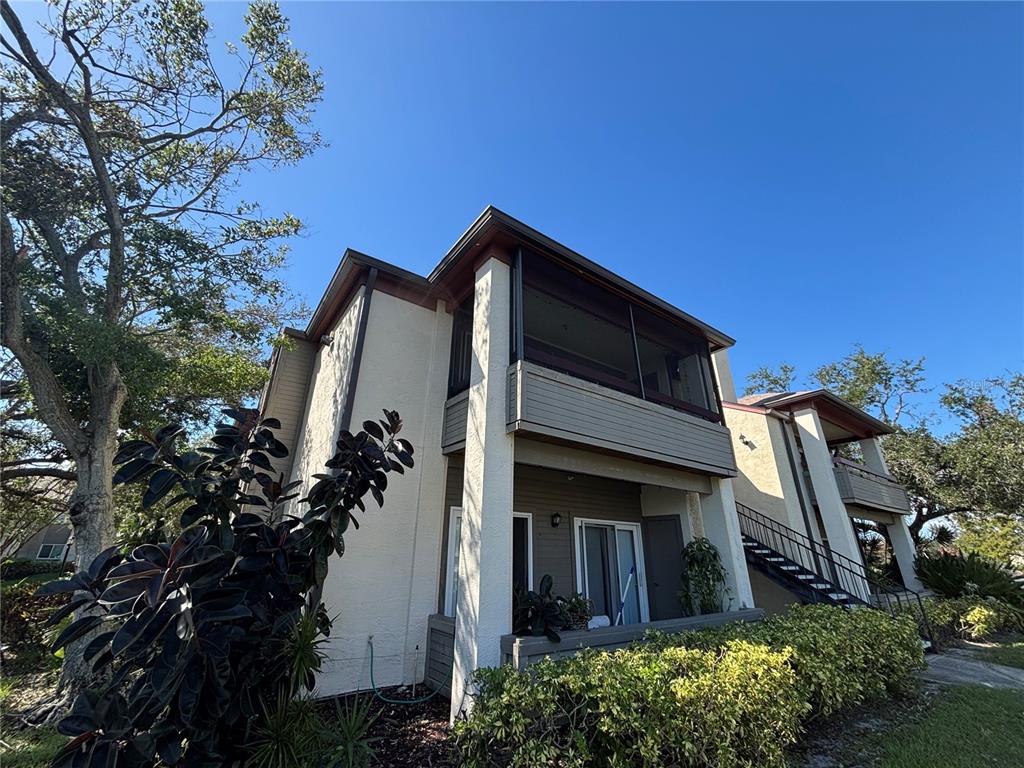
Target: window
(51,552)
(462,348)
(522,550)
(454,545)
(522,555)
(573,325)
(610,570)
(674,364)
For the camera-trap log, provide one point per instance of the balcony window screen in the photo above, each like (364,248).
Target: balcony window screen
(575,326)
(673,363)
(462,348)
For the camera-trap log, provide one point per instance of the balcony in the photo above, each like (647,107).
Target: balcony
(859,485)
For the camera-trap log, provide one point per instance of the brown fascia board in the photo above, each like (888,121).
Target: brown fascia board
(349,274)
(492,219)
(481,232)
(791,402)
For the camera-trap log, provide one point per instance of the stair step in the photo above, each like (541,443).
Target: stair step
(790,567)
(806,576)
(776,559)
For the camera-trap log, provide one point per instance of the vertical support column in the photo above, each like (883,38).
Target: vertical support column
(484,606)
(838,526)
(723,372)
(874,459)
(904,551)
(722,528)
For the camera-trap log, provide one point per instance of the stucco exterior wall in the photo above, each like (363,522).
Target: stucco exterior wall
(326,396)
(385,586)
(758,484)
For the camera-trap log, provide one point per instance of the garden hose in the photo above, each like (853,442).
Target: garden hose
(384,698)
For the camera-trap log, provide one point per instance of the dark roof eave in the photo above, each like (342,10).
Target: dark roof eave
(494,218)
(789,401)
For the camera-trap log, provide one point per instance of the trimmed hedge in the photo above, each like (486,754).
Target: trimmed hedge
(728,697)
(12,570)
(971,618)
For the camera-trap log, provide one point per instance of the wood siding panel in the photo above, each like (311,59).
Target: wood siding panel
(543,492)
(524,651)
(453,428)
(440,654)
(556,405)
(869,490)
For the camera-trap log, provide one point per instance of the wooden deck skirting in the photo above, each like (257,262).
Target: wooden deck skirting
(523,651)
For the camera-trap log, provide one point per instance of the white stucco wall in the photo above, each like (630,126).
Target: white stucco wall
(326,397)
(386,584)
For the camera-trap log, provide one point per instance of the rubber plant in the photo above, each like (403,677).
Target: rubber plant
(192,638)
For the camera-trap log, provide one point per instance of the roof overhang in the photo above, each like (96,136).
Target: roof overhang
(843,422)
(492,231)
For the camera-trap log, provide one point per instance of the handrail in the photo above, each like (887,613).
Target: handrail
(842,572)
(839,461)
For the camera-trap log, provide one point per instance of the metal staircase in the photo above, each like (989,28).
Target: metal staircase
(817,574)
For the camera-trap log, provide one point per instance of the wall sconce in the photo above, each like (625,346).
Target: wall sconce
(556,520)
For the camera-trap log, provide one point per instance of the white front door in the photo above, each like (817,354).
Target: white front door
(610,570)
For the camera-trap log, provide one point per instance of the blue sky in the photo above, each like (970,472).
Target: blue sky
(803,176)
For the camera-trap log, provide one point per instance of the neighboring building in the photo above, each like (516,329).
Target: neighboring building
(565,422)
(51,543)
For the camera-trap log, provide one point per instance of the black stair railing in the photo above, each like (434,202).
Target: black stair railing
(841,573)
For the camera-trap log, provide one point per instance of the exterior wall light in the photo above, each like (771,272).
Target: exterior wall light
(556,520)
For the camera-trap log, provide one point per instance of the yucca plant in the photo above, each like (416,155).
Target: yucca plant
(350,732)
(971,575)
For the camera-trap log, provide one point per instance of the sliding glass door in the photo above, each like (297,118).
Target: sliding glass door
(610,570)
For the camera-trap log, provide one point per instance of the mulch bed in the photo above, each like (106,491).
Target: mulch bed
(411,735)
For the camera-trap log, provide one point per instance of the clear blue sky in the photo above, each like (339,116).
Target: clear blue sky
(803,176)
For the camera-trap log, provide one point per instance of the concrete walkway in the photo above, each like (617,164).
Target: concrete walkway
(958,667)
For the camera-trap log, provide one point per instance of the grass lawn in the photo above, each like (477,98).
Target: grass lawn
(1009,654)
(965,727)
(29,748)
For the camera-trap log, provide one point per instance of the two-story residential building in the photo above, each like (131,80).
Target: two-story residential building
(566,423)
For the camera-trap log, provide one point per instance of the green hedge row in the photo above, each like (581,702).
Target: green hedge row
(971,618)
(734,696)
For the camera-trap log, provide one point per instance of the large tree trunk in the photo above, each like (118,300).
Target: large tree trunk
(91,513)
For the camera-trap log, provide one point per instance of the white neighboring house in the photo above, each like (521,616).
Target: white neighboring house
(565,422)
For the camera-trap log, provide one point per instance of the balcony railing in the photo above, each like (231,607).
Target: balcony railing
(859,485)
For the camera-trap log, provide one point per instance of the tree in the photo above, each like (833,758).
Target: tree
(766,380)
(972,473)
(210,635)
(134,281)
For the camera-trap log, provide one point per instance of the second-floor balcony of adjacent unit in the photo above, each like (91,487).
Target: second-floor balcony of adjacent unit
(595,368)
(864,487)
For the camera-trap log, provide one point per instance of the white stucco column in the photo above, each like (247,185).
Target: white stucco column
(838,526)
(484,606)
(904,551)
(722,528)
(874,459)
(723,372)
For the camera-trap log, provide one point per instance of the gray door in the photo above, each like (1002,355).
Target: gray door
(663,553)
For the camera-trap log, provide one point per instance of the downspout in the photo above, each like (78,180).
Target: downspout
(787,438)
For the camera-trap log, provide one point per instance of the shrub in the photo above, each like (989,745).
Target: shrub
(971,618)
(733,696)
(23,616)
(971,575)
(12,570)
(703,579)
(207,640)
